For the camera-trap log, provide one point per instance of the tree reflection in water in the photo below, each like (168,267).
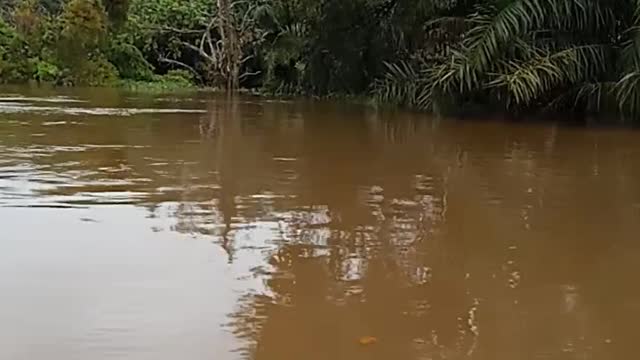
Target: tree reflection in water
(435,265)
(438,239)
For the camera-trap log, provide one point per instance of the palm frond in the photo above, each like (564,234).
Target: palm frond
(404,86)
(630,53)
(529,80)
(590,96)
(493,30)
(628,93)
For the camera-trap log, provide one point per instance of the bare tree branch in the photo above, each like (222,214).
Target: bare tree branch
(202,39)
(206,35)
(210,42)
(246,58)
(181,64)
(174,30)
(246,17)
(247,74)
(199,51)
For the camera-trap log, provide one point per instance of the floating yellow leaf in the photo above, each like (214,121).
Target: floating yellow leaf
(368,340)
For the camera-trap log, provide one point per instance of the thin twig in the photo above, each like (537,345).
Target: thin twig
(207,35)
(247,58)
(247,74)
(175,30)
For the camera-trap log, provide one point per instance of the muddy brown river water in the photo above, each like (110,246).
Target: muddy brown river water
(200,227)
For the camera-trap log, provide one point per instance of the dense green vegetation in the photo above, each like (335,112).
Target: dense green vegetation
(516,56)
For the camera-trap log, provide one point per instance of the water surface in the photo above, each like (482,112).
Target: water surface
(201,227)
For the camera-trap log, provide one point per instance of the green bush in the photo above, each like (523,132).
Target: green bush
(14,55)
(45,71)
(174,80)
(94,72)
(176,77)
(129,60)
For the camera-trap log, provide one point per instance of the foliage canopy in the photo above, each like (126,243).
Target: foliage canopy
(517,56)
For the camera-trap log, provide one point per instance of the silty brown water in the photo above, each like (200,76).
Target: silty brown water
(199,227)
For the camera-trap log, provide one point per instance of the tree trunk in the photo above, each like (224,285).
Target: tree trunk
(230,45)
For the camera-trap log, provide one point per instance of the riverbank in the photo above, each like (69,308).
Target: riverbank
(437,57)
(176,85)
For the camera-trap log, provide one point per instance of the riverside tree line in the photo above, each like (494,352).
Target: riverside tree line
(513,56)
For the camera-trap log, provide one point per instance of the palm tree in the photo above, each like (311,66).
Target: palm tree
(523,55)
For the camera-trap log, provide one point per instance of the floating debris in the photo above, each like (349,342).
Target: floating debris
(368,340)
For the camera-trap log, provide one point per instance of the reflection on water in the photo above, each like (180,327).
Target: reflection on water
(201,227)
